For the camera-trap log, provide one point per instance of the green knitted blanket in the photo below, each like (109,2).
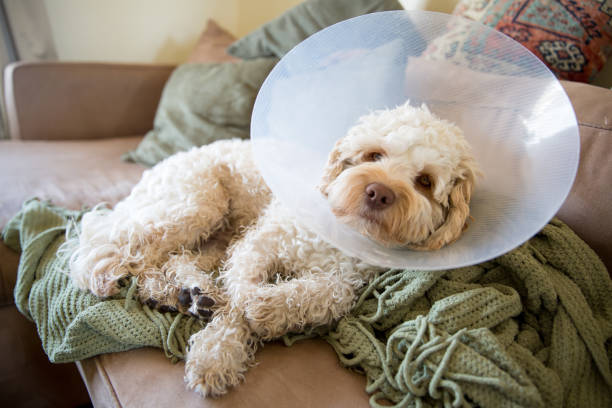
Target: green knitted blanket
(73,324)
(532,328)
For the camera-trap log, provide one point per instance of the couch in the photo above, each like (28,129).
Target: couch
(69,125)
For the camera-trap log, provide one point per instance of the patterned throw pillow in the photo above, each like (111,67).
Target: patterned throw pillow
(573,38)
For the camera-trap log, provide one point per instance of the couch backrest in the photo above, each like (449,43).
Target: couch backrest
(62,100)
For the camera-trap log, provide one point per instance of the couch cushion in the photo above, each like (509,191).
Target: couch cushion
(587,210)
(70,174)
(306,374)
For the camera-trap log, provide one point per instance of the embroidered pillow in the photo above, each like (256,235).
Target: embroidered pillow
(572,38)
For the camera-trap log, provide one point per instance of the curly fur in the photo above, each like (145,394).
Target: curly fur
(412,142)
(203,234)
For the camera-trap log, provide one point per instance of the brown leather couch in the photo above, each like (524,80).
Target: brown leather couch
(69,125)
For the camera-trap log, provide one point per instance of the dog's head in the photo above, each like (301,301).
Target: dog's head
(402,177)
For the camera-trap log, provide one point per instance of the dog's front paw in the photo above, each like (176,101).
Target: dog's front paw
(185,294)
(211,379)
(189,301)
(219,356)
(196,302)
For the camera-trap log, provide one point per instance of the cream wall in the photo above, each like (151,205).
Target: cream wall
(160,31)
(165,31)
(443,6)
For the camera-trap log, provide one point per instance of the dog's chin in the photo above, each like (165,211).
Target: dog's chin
(369,224)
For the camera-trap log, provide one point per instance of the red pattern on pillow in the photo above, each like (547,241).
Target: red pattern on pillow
(572,38)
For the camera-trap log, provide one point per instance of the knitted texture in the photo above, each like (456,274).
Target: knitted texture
(532,328)
(73,324)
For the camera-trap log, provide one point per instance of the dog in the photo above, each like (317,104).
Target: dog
(204,235)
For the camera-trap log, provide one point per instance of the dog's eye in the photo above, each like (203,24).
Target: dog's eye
(424,180)
(373,156)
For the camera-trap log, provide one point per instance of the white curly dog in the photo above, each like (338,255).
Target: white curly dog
(204,236)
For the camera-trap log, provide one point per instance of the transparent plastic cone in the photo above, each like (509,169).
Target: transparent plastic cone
(512,109)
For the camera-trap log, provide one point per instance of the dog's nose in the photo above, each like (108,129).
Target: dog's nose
(379,196)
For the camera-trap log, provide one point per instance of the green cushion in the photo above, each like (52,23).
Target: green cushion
(280,35)
(202,103)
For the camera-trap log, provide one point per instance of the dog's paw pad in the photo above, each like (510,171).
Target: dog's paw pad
(201,305)
(205,314)
(194,302)
(184,297)
(124,282)
(151,303)
(162,308)
(204,302)
(167,308)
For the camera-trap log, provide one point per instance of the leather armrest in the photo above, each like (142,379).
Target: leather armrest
(67,100)
(587,209)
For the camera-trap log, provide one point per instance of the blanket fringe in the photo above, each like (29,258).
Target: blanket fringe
(417,376)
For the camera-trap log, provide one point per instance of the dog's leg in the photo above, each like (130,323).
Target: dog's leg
(186,281)
(286,278)
(314,284)
(220,354)
(291,306)
(178,204)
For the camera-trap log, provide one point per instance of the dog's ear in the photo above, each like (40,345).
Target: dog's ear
(457,215)
(335,165)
